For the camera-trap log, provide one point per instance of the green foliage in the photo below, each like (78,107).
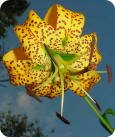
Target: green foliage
(64,56)
(18,126)
(105,115)
(8,13)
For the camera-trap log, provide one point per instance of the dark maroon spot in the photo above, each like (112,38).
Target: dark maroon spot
(62,118)
(109,73)
(11,62)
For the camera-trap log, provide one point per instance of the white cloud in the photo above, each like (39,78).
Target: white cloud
(36,110)
(20,103)
(30,106)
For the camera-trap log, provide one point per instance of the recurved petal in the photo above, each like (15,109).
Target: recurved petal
(64,21)
(60,19)
(83,48)
(51,90)
(32,47)
(86,81)
(77,24)
(17,65)
(41,92)
(42,31)
(20,68)
(39,28)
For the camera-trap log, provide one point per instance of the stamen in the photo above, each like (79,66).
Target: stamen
(97,105)
(102,72)
(87,94)
(109,73)
(62,118)
(62,98)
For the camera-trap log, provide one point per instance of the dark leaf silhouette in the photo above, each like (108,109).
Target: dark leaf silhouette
(18,126)
(8,13)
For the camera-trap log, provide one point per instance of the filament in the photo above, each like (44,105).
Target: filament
(101,72)
(62,98)
(86,93)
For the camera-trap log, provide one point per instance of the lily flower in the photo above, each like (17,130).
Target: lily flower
(53,56)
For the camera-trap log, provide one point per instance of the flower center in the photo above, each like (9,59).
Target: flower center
(61,67)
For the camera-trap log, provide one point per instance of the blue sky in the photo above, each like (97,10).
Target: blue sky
(100,18)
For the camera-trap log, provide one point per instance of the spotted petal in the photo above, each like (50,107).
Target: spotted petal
(83,50)
(64,21)
(39,28)
(51,90)
(33,34)
(20,68)
(32,47)
(86,81)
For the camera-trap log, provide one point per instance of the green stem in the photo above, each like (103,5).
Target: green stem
(99,115)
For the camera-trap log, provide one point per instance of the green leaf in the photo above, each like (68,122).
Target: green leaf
(109,111)
(64,56)
(105,115)
(39,67)
(64,41)
(67,57)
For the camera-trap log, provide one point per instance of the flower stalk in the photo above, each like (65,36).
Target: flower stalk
(104,122)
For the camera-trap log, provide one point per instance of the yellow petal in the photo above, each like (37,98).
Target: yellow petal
(17,64)
(60,19)
(83,50)
(77,24)
(37,76)
(56,89)
(32,47)
(86,80)
(51,90)
(54,42)
(40,29)
(20,68)
(43,91)
(64,21)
